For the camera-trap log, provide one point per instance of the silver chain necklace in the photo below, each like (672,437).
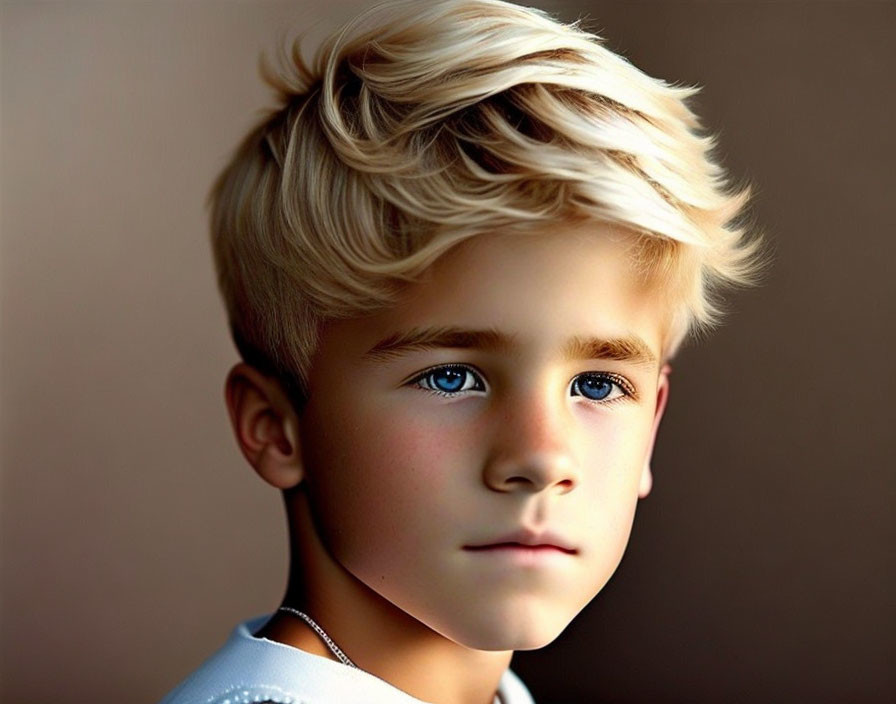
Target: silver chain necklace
(335,649)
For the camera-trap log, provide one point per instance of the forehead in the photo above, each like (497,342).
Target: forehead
(548,256)
(540,289)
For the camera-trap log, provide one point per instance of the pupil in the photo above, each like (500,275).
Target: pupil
(448,380)
(596,388)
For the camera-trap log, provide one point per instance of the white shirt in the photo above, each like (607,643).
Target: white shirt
(249,669)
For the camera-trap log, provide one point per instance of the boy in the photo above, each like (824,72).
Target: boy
(456,262)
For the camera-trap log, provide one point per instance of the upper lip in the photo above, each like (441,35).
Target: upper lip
(528,537)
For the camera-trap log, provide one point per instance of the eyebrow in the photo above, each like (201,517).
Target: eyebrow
(630,348)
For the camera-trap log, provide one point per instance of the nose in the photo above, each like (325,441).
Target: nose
(532,451)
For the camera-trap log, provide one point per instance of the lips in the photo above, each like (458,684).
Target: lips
(527,539)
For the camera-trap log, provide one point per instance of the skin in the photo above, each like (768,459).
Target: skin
(389,485)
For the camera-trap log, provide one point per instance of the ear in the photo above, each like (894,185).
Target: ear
(265,425)
(662,396)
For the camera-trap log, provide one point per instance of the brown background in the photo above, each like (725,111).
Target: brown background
(761,568)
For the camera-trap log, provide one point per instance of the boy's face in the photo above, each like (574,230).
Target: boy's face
(426,466)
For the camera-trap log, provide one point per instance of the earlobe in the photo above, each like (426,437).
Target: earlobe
(662,396)
(646,481)
(265,425)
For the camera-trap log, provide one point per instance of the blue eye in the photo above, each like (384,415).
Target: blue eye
(455,379)
(601,387)
(450,380)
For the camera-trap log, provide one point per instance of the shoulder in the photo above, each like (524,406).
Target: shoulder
(248,670)
(511,690)
(245,669)
(251,694)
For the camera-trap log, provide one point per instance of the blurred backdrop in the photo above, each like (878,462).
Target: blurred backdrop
(761,568)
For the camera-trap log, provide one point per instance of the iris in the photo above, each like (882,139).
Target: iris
(595,388)
(448,379)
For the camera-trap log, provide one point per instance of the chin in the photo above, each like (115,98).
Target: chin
(518,640)
(512,632)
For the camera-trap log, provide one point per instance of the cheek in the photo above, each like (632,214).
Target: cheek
(398,456)
(379,479)
(615,449)
(613,460)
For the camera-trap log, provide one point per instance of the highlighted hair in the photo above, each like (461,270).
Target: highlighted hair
(420,125)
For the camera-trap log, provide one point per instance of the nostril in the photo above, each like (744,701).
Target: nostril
(566,485)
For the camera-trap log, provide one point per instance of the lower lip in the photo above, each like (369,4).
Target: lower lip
(523,554)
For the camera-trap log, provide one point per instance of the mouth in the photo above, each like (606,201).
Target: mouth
(526,541)
(520,547)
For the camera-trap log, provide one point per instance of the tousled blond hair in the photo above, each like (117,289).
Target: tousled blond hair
(420,125)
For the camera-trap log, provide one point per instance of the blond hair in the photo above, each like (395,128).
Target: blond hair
(420,125)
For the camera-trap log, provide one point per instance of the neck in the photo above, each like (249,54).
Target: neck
(379,637)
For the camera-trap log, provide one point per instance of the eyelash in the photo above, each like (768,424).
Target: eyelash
(624,385)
